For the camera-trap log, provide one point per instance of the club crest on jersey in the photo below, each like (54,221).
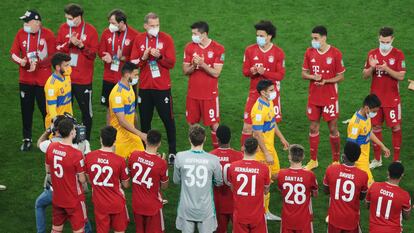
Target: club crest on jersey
(42,42)
(392,61)
(62,90)
(142,47)
(83,37)
(329,60)
(271,59)
(127,42)
(160,45)
(24,43)
(109,40)
(210,54)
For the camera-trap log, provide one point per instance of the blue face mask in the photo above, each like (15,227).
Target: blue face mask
(133,81)
(27,29)
(196,39)
(316,44)
(261,41)
(71,23)
(385,47)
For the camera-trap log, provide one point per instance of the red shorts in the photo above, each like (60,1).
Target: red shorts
(105,221)
(307,229)
(208,110)
(384,229)
(328,112)
(76,216)
(149,224)
(251,100)
(333,229)
(259,227)
(391,115)
(223,221)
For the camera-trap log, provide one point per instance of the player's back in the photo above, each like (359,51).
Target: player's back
(147,172)
(345,186)
(65,162)
(106,170)
(297,186)
(248,179)
(387,201)
(196,171)
(223,196)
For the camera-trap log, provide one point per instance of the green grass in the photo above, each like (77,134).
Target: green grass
(352,26)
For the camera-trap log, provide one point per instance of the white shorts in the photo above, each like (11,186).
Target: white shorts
(209,225)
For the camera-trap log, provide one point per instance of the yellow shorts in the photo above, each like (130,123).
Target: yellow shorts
(124,148)
(363,164)
(275,168)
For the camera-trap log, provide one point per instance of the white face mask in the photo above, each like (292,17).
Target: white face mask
(133,82)
(70,23)
(272,96)
(372,114)
(385,46)
(154,31)
(113,28)
(196,39)
(27,29)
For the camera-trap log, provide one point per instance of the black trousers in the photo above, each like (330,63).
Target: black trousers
(28,95)
(83,95)
(162,101)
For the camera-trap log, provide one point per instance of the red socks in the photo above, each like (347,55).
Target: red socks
(377,148)
(214,139)
(314,143)
(396,143)
(335,147)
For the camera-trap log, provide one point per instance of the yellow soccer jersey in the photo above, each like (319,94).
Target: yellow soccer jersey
(58,93)
(359,131)
(263,119)
(122,99)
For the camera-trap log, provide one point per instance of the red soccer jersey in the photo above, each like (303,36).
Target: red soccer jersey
(345,186)
(82,72)
(248,179)
(327,65)
(297,186)
(273,61)
(41,45)
(201,85)
(223,197)
(147,170)
(105,171)
(109,43)
(165,44)
(65,162)
(387,201)
(382,84)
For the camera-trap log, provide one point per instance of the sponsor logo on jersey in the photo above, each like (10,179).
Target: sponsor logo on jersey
(313,60)
(255,58)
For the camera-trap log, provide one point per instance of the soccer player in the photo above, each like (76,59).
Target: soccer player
(346,186)
(264,130)
(58,90)
(250,182)
(80,40)
(32,50)
(197,172)
(223,197)
(66,167)
(203,63)
(106,172)
(115,49)
(359,131)
(150,173)
(122,113)
(298,186)
(263,60)
(324,68)
(388,204)
(386,66)
(154,53)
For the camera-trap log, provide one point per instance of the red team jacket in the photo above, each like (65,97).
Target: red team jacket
(43,44)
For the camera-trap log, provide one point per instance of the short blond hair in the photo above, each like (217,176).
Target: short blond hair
(150,15)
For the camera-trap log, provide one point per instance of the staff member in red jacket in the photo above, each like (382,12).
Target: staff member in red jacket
(80,40)
(114,50)
(32,49)
(154,53)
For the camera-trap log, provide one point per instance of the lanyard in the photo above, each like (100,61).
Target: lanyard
(83,30)
(123,40)
(146,42)
(28,40)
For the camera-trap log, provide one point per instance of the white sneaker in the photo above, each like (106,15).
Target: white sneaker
(375,163)
(272,217)
(2,187)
